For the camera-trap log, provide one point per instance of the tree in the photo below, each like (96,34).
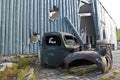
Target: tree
(118,35)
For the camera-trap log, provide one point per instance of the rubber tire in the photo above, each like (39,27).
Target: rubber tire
(108,61)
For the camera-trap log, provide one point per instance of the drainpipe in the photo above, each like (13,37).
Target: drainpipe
(95,17)
(0,40)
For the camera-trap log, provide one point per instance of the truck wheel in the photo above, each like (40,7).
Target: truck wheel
(108,61)
(108,57)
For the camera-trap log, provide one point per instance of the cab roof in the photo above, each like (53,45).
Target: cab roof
(58,33)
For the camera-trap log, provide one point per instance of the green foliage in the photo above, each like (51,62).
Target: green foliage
(24,62)
(115,73)
(106,79)
(109,78)
(23,73)
(33,77)
(81,71)
(118,35)
(9,73)
(37,68)
(19,70)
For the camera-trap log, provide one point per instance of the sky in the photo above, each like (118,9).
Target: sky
(113,7)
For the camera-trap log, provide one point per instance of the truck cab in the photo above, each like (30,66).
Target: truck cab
(56,46)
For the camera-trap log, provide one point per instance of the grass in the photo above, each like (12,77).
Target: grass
(25,62)
(106,79)
(80,71)
(23,73)
(109,78)
(19,70)
(9,73)
(36,72)
(33,77)
(84,73)
(115,73)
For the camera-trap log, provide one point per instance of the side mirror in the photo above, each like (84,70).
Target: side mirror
(34,38)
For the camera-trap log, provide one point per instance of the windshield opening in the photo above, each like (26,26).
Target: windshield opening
(70,40)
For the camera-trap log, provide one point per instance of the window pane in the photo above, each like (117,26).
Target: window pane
(70,40)
(53,40)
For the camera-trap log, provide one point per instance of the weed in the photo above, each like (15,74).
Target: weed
(80,71)
(19,70)
(116,72)
(24,62)
(106,79)
(9,73)
(23,73)
(112,76)
(36,72)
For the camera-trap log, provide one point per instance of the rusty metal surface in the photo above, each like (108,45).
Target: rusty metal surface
(92,56)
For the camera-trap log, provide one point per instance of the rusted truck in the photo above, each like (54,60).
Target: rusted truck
(63,49)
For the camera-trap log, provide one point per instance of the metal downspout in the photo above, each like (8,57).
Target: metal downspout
(0,41)
(95,17)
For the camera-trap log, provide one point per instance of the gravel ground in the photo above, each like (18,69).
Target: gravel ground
(57,74)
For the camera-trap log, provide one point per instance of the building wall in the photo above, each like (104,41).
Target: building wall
(106,23)
(98,25)
(19,19)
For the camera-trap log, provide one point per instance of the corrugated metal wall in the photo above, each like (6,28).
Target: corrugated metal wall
(106,23)
(103,22)
(19,19)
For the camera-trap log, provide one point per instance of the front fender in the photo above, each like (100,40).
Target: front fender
(86,57)
(92,56)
